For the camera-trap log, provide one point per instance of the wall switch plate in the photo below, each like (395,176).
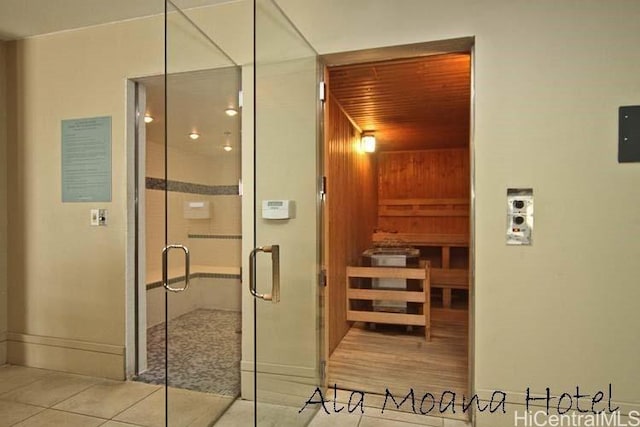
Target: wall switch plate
(629,134)
(98,217)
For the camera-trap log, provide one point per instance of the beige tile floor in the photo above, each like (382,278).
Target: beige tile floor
(38,398)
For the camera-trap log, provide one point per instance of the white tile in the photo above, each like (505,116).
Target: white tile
(407,417)
(241,413)
(14,412)
(341,419)
(53,418)
(379,422)
(107,399)
(185,408)
(117,424)
(50,389)
(456,423)
(13,377)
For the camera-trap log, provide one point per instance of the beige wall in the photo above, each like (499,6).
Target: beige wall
(3,202)
(67,279)
(225,217)
(549,77)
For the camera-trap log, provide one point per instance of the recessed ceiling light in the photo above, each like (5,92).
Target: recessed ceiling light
(231,112)
(148,118)
(227,142)
(194,135)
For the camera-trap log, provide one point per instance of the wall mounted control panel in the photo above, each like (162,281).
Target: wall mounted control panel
(278,209)
(519,216)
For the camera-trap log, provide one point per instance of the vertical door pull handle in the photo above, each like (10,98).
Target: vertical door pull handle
(274,250)
(165,274)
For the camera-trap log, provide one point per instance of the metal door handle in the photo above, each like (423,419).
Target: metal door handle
(274,250)
(165,256)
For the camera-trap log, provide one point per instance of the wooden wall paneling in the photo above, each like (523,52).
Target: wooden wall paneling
(424,174)
(351,213)
(412,103)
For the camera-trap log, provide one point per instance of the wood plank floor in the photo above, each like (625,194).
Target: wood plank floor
(390,357)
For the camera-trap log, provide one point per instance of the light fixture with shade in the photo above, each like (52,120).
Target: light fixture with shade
(227,144)
(148,118)
(368,142)
(194,135)
(231,112)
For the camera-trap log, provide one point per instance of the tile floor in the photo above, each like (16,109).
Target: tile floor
(38,398)
(204,354)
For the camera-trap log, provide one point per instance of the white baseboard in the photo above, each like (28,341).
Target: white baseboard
(59,354)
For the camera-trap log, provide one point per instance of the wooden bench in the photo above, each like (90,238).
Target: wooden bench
(422,296)
(445,277)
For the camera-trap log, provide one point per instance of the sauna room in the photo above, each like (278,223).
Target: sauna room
(397,226)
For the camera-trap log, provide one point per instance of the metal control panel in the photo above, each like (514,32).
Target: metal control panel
(519,216)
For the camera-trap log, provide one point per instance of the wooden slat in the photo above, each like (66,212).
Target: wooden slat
(349,173)
(456,278)
(401,202)
(423,239)
(374,360)
(432,111)
(387,272)
(392,318)
(385,211)
(450,315)
(383,294)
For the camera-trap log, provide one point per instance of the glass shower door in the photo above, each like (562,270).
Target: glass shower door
(285,260)
(202,248)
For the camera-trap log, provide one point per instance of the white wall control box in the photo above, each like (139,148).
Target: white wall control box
(278,209)
(197,210)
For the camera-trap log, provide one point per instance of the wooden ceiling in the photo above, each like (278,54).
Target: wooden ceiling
(410,104)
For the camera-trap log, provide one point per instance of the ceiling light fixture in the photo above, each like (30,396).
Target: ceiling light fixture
(148,118)
(194,135)
(368,142)
(231,112)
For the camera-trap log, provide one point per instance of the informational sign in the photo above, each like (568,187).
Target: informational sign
(86,160)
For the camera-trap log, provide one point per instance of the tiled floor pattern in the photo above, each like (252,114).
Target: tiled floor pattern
(204,352)
(37,398)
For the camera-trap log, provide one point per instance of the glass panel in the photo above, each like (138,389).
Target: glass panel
(286,205)
(202,326)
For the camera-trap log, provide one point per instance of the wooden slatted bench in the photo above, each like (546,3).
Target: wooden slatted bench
(445,277)
(421,296)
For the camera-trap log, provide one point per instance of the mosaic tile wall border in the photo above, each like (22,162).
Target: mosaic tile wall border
(191,188)
(216,236)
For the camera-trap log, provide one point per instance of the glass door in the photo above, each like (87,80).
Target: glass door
(284,263)
(201,251)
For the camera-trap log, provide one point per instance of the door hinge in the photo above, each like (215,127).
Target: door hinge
(323,370)
(240,99)
(322,87)
(322,279)
(323,186)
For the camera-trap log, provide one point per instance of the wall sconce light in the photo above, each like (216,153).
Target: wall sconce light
(231,112)
(368,143)
(148,118)
(194,135)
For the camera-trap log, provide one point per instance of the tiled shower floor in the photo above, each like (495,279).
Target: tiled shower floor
(204,352)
